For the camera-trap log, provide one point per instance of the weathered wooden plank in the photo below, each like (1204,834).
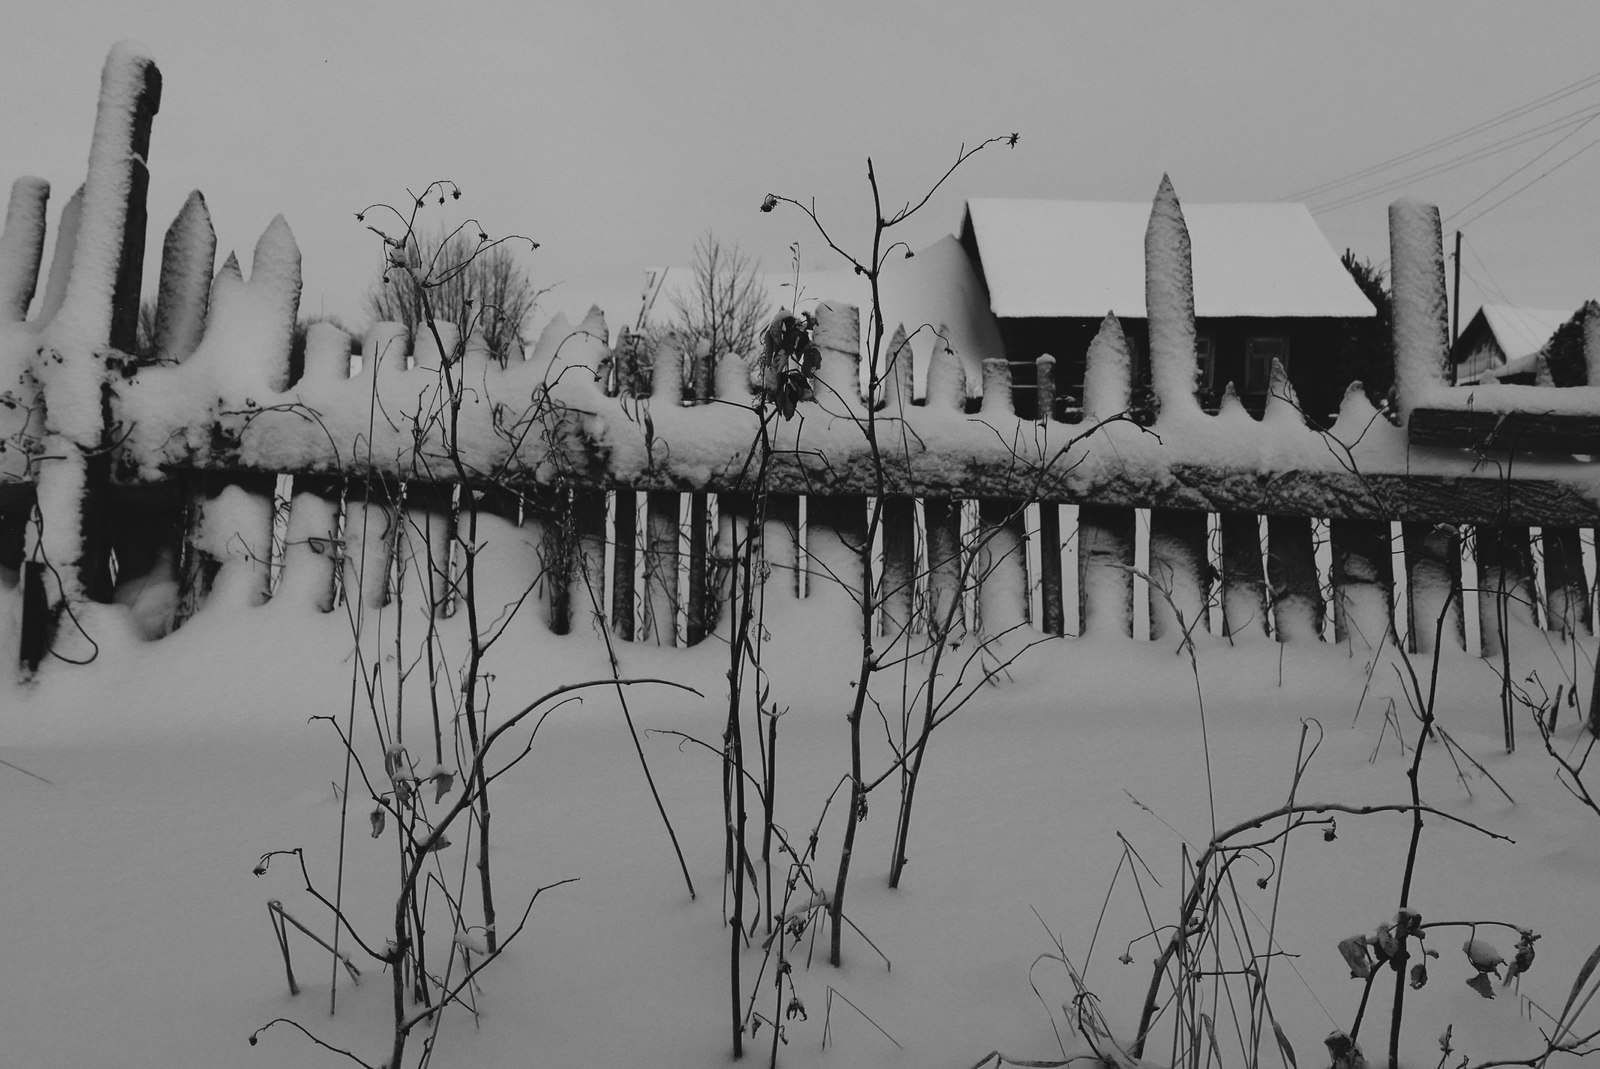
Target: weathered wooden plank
(1244,594)
(899,564)
(1177,572)
(624,542)
(1516,432)
(1363,581)
(1001,572)
(1292,571)
(1433,579)
(1566,587)
(1505,585)
(1105,555)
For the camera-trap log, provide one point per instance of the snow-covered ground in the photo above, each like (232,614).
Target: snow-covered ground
(140,790)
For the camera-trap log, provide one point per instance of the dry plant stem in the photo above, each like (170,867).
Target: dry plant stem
(1195,897)
(735,816)
(870,598)
(1424,732)
(431,842)
(633,731)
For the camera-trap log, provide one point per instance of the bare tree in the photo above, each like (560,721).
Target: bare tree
(468,280)
(728,307)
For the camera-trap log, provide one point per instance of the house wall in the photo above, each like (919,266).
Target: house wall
(1315,353)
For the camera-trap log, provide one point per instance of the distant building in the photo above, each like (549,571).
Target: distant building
(1267,285)
(1502,342)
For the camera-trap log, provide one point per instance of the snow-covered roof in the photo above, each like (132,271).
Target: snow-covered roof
(1081,259)
(1521,331)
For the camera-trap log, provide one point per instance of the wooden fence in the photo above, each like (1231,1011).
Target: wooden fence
(250,465)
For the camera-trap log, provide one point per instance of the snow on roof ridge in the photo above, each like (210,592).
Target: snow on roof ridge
(1053,257)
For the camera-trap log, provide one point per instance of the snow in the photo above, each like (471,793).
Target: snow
(55,289)
(1169,303)
(1061,258)
(1107,377)
(204,736)
(1421,331)
(22,246)
(187,255)
(996,390)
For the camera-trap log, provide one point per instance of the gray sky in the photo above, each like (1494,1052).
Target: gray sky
(615,133)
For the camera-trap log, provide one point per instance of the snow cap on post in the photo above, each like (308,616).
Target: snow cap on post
(838,339)
(130,92)
(947,378)
(895,387)
(666,371)
(1421,317)
(1591,342)
(1107,378)
(997,388)
(327,353)
(1169,303)
(22,247)
(1044,380)
(1283,404)
(55,287)
(250,325)
(188,257)
(385,344)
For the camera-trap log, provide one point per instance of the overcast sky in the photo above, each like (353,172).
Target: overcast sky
(615,133)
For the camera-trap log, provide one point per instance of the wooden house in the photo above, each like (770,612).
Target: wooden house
(1267,286)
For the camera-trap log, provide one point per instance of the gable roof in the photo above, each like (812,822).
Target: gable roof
(1079,259)
(1520,331)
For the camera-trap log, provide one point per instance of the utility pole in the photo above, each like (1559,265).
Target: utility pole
(1455,308)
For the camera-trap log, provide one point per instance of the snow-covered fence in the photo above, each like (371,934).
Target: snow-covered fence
(242,460)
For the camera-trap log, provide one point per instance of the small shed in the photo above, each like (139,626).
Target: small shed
(1267,285)
(1502,341)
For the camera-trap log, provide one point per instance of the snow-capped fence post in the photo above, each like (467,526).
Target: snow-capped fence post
(838,338)
(188,258)
(997,402)
(1591,342)
(1045,385)
(947,381)
(893,390)
(1420,318)
(99,313)
(1169,305)
(22,247)
(1107,375)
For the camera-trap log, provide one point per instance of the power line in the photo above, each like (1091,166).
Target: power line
(1577,119)
(1476,128)
(1531,182)
(1563,140)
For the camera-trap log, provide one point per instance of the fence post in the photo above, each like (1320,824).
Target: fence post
(99,312)
(1420,320)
